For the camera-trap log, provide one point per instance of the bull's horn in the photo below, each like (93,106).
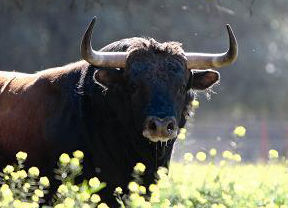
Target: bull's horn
(98,58)
(208,60)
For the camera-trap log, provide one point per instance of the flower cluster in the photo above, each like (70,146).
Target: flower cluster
(71,195)
(27,189)
(21,188)
(199,182)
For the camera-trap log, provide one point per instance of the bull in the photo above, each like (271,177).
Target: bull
(118,106)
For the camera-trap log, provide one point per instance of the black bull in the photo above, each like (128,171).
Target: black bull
(116,116)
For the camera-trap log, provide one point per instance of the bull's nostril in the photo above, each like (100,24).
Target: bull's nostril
(152,126)
(170,126)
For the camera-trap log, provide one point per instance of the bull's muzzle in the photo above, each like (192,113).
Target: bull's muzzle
(160,129)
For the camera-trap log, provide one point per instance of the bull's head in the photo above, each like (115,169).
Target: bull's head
(158,79)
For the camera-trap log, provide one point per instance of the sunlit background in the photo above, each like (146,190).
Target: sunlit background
(253,93)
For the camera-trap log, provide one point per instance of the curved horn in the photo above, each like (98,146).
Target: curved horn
(208,60)
(98,58)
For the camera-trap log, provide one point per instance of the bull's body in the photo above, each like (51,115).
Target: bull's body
(61,110)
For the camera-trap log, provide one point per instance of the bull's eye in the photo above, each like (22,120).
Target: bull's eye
(182,89)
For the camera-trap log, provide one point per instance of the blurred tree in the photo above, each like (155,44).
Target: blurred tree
(35,35)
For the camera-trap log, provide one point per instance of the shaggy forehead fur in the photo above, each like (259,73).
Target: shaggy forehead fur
(161,57)
(149,44)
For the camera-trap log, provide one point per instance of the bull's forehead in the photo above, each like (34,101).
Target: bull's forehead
(157,68)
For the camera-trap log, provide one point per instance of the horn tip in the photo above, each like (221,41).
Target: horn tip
(230,32)
(228,27)
(93,20)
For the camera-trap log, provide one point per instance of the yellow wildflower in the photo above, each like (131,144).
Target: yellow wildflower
(85,205)
(227,154)
(142,189)
(34,171)
(84,196)
(75,188)
(273,154)
(195,103)
(17,203)
(213,152)
(181,136)
(153,187)
(139,168)
(26,187)
(102,205)
(201,156)
(21,156)
(4,187)
(237,157)
(95,198)
(162,172)
(188,157)
(39,193)
(6,193)
(8,169)
(78,154)
(94,182)
(183,130)
(62,189)
(44,181)
(15,176)
(133,186)
(60,206)
(68,202)
(239,131)
(35,198)
(118,190)
(22,174)
(64,159)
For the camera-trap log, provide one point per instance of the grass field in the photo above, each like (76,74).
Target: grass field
(226,185)
(198,182)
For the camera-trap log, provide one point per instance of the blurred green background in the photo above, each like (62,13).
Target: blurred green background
(38,34)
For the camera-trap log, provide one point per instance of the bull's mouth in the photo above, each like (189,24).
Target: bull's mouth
(160,129)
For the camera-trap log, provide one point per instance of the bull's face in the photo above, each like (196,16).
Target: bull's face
(157,87)
(156,79)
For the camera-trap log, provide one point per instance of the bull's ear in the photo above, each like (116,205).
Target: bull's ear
(109,77)
(201,80)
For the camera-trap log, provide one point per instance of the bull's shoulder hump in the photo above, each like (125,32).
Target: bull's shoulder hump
(60,75)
